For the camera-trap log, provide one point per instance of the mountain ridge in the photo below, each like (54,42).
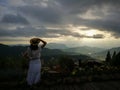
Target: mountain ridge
(56,46)
(103,54)
(16,51)
(84,50)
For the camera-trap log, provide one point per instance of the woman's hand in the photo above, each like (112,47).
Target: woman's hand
(25,55)
(44,43)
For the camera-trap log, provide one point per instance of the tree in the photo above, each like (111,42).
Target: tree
(113,57)
(117,59)
(108,57)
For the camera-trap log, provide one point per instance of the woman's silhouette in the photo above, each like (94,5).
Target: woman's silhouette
(33,54)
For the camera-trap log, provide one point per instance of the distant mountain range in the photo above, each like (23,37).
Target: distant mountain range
(15,51)
(56,50)
(102,55)
(6,50)
(75,50)
(84,50)
(56,46)
(95,52)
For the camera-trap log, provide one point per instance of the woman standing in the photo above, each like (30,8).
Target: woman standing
(33,53)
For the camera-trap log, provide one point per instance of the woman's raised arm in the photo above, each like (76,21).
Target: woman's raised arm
(44,43)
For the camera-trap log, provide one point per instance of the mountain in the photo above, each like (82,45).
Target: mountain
(15,51)
(102,55)
(84,50)
(56,46)
(6,50)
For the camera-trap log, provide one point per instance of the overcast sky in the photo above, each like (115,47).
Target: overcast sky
(71,22)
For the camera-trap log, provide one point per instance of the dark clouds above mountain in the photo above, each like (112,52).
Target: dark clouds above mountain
(46,15)
(42,32)
(14,19)
(106,13)
(97,14)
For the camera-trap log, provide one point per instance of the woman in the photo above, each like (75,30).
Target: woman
(33,53)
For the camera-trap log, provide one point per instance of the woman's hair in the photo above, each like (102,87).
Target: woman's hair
(33,47)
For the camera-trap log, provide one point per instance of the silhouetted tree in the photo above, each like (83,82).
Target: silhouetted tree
(117,59)
(108,57)
(113,58)
(114,55)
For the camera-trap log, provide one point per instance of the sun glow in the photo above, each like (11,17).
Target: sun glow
(90,32)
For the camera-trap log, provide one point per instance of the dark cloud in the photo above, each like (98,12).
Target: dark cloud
(64,12)
(109,22)
(78,6)
(98,36)
(105,25)
(41,32)
(3,2)
(30,31)
(116,35)
(46,15)
(14,19)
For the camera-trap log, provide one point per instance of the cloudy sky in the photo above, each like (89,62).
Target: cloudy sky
(71,22)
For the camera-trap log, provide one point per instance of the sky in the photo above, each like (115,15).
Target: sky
(92,23)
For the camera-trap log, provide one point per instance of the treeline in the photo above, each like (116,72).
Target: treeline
(113,59)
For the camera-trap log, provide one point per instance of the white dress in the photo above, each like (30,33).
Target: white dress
(34,70)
